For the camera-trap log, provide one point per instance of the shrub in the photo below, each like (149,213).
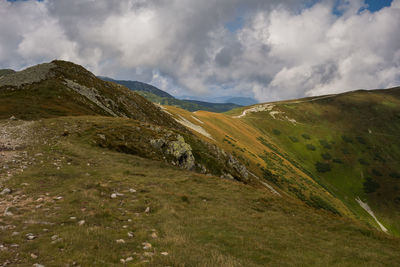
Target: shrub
(361,140)
(322,167)
(299,194)
(363,162)
(325,144)
(345,151)
(268,175)
(293,139)
(347,139)
(185,199)
(310,147)
(370,186)
(338,161)
(306,136)
(376,172)
(395,175)
(326,156)
(319,203)
(276,132)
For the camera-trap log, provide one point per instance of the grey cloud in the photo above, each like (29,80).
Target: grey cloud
(283,50)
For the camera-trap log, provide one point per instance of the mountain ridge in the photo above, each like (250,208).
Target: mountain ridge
(161,97)
(94,174)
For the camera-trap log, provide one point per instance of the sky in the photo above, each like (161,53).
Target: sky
(265,49)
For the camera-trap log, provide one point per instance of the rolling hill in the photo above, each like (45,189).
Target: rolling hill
(93,174)
(348,144)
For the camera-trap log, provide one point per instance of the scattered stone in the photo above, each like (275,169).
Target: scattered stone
(122,261)
(154,235)
(129,220)
(2,247)
(7,212)
(164,253)
(125,226)
(129,259)
(54,237)
(58,198)
(40,199)
(33,256)
(30,236)
(72,218)
(113,195)
(148,254)
(45,230)
(132,190)
(147,210)
(81,222)
(14,245)
(146,245)
(130,234)
(15,233)
(13,118)
(38,265)
(5,191)
(120,241)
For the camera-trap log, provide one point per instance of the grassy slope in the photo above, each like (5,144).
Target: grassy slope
(199,220)
(352,115)
(237,137)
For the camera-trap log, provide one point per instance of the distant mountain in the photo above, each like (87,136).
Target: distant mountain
(158,96)
(242,101)
(215,107)
(4,72)
(139,86)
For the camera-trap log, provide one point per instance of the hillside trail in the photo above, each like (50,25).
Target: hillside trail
(14,137)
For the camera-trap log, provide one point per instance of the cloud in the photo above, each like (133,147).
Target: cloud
(279,50)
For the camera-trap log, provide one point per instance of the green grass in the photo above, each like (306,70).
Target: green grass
(352,133)
(199,220)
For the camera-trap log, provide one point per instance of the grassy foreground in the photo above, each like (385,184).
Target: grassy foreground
(161,215)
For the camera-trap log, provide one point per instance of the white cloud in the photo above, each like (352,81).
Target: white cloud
(281,51)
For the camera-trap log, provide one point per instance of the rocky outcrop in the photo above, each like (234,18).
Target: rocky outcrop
(94,96)
(30,75)
(178,149)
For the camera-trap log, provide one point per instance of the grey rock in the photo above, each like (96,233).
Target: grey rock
(182,153)
(30,236)
(5,191)
(29,75)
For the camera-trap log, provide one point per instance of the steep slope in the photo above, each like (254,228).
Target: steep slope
(347,144)
(158,96)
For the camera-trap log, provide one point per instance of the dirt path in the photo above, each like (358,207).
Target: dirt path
(14,137)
